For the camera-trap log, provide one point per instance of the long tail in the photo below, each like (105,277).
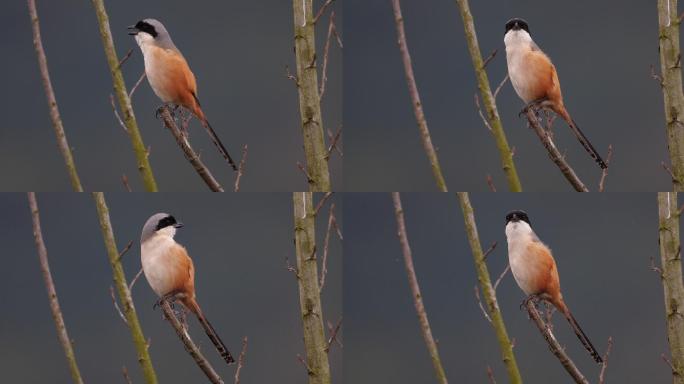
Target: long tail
(213,336)
(582,139)
(580,334)
(197,110)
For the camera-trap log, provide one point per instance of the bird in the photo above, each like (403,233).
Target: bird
(535,80)
(170,272)
(534,269)
(169,74)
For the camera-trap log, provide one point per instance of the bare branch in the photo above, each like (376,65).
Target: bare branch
(605,170)
(189,153)
(479,110)
(490,375)
(137,83)
(322,202)
(326,243)
(555,155)
(116,305)
(124,180)
(501,84)
(125,58)
(322,10)
(241,360)
(602,377)
(333,141)
(333,334)
(489,58)
(479,303)
(190,347)
(116,113)
(501,276)
(137,276)
(490,250)
(490,183)
(326,51)
(125,375)
(554,345)
(241,169)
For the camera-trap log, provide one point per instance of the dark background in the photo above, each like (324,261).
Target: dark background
(601,243)
(602,51)
(238,52)
(238,245)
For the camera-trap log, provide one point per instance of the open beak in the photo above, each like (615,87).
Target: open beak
(178,225)
(132,30)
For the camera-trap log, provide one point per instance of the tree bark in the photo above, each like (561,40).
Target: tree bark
(52,100)
(671,73)
(124,101)
(505,153)
(415,290)
(309,291)
(671,274)
(52,292)
(309,99)
(505,344)
(415,99)
(122,289)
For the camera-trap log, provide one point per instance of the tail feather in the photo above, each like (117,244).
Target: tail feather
(582,337)
(209,329)
(197,110)
(580,136)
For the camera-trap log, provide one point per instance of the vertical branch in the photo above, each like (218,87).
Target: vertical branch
(123,291)
(415,99)
(52,100)
(488,291)
(52,292)
(415,290)
(124,100)
(309,291)
(490,105)
(673,288)
(309,99)
(671,83)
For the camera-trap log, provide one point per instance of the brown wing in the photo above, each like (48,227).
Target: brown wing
(183,271)
(546,274)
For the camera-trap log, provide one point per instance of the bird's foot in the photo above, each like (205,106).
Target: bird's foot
(533,298)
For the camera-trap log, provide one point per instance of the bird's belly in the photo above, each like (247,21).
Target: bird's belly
(159,271)
(523,270)
(524,79)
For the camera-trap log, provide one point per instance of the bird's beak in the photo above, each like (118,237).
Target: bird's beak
(132,30)
(178,225)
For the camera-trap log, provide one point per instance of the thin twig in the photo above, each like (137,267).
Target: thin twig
(656,269)
(602,378)
(116,112)
(137,276)
(301,168)
(124,370)
(490,375)
(326,51)
(501,276)
(137,83)
(554,345)
(668,170)
(479,110)
(125,249)
(241,360)
(554,154)
(489,250)
(326,243)
(415,99)
(62,333)
(241,169)
(190,347)
(605,170)
(668,362)
(415,290)
(490,183)
(124,180)
(189,153)
(489,58)
(479,302)
(333,141)
(116,305)
(333,334)
(501,84)
(323,8)
(322,202)
(125,58)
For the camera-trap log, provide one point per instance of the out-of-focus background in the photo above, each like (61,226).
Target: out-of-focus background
(238,52)
(603,53)
(238,245)
(602,245)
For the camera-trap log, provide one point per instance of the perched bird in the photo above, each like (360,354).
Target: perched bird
(169,74)
(535,80)
(534,269)
(170,272)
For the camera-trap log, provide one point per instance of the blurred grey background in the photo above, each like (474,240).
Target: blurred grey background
(238,245)
(602,51)
(602,245)
(238,52)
